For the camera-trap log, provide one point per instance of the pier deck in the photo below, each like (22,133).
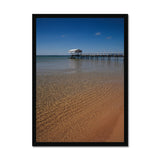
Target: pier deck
(87,56)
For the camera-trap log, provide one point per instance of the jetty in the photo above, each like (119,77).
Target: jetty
(77,54)
(94,55)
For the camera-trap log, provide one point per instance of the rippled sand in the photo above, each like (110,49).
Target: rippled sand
(81,107)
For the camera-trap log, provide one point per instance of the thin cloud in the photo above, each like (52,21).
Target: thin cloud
(98,33)
(109,37)
(62,36)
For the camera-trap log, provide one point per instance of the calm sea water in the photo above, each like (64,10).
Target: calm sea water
(63,64)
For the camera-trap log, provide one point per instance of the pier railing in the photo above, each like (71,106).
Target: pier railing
(96,55)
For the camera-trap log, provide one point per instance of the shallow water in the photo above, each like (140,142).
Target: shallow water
(79,99)
(47,65)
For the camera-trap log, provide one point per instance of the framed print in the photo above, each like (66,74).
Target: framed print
(80,79)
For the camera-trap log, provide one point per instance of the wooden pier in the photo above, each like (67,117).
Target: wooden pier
(95,55)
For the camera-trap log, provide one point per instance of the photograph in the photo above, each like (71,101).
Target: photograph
(80,79)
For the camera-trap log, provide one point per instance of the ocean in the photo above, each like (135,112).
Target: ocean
(63,64)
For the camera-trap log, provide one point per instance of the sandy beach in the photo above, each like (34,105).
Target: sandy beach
(81,107)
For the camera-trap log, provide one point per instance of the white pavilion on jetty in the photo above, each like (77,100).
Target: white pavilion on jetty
(75,51)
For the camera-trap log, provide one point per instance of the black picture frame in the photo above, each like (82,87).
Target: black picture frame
(34,16)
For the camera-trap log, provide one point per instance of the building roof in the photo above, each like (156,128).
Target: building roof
(74,51)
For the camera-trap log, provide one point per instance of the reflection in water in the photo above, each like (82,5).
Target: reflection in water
(75,64)
(101,64)
(65,65)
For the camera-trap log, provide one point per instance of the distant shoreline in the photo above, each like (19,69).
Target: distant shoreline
(52,55)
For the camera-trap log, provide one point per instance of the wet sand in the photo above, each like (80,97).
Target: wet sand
(81,107)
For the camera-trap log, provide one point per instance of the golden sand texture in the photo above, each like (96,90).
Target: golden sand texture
(80,108)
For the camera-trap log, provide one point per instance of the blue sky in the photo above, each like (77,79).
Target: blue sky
(55,36)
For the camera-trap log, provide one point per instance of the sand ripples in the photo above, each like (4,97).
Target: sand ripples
(76,108)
